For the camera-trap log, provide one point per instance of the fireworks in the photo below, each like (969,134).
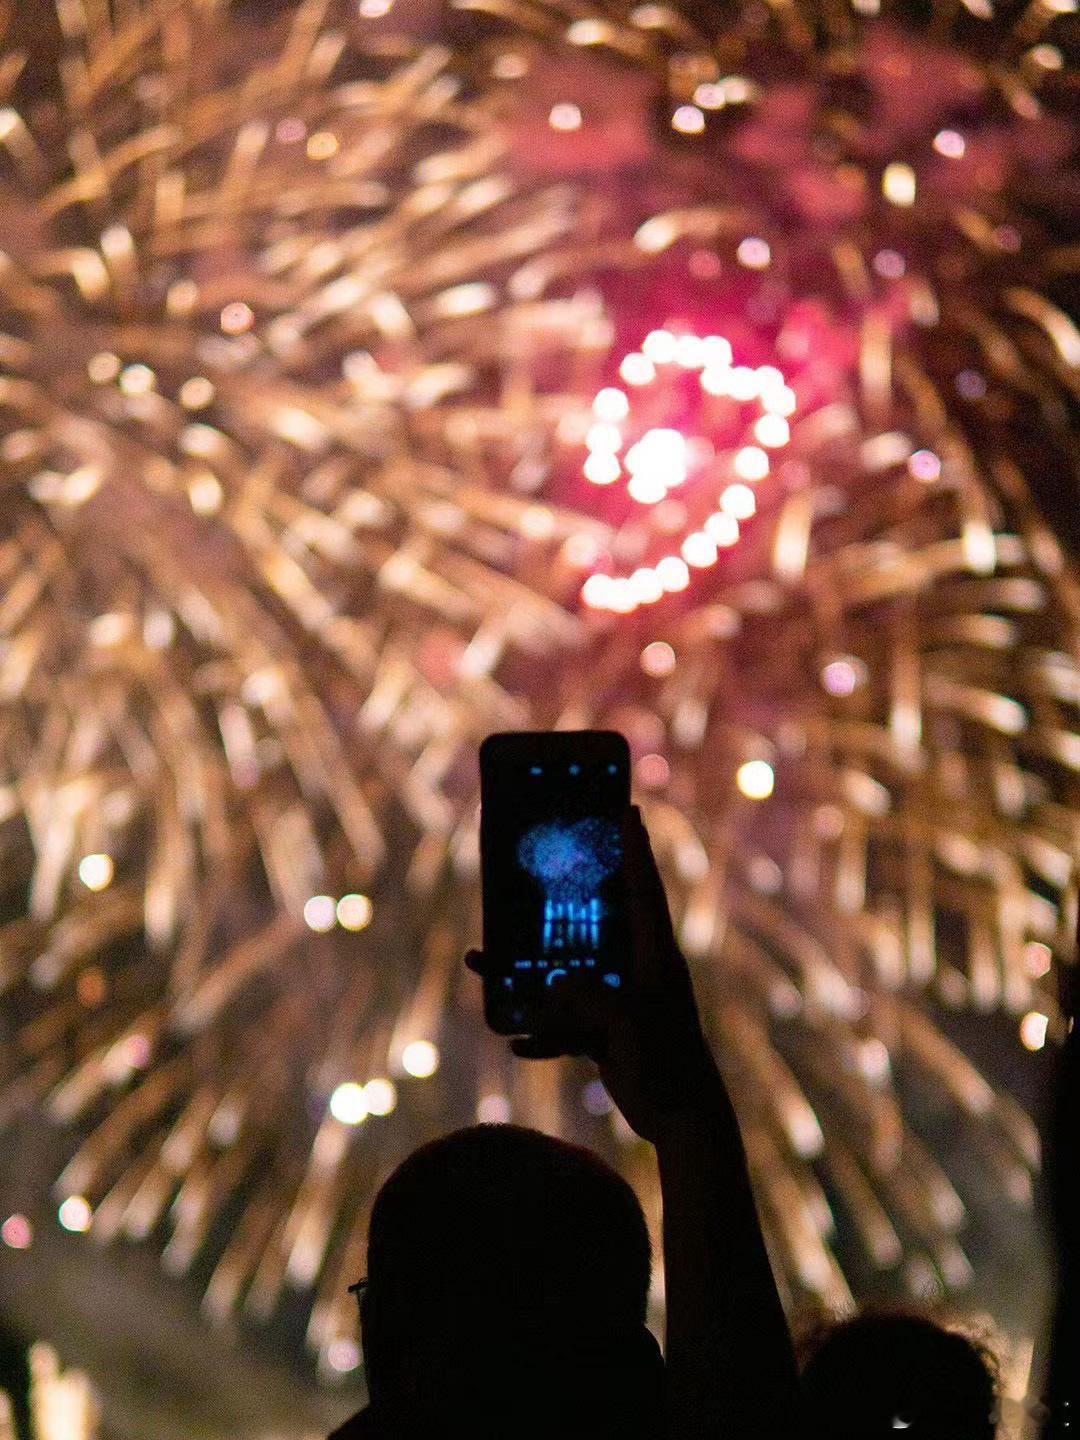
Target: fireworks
(304,373)
(62,1403)
(254,292)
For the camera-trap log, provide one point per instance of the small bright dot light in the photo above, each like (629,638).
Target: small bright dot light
(843,676)
(772,430)
(622,601)
(690,352)
(601,468)
(420,1059)
(743,383)
(673,572)
(722,528)
(662,446)
(653,771)
(647,487)
(755,779)
(645,586)
(493,1110)
(660,346)
(659,457)
(769,377)
(17,1233)
(710,96)
(754,253)
(716,380)
(739,501)
(1033,1030)
(925,465)
(699,549)
(374,9)
(96,871)
(779,400)
(75,1214)
(898,183)
(137,380)
(1037,959)
(596,592)
(322,145)
(658,659)
(205,493)
(718,352)
(750,463)
(320,913)
(349,1104)
(236,317)
(611,404)
(196,393)
(565,116)
(950,143)
(380,1096)
(343,1355)
(688,120)
(637,369)
(103,367)
(354,912)
(603,435)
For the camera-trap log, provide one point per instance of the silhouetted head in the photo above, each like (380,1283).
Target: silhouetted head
(898,1377)
(507,1282)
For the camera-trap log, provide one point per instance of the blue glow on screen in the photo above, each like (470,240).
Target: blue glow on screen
(570,861)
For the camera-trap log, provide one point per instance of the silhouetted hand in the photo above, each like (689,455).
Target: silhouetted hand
(646,1038)
(1064,1159)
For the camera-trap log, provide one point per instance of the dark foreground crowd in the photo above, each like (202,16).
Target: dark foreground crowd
(508,1272)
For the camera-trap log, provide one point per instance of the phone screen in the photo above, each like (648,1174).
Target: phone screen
(552,810)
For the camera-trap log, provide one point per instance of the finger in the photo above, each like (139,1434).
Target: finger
(477,962)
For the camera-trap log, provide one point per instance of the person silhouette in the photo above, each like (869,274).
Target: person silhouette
(508,1276)
(882,1375)
(508,1272)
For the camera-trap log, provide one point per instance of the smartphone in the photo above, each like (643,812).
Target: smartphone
(552,806)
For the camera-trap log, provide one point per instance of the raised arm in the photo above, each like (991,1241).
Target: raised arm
(1062,1392)
(730,1363)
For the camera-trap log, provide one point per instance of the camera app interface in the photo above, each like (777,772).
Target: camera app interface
(557,856)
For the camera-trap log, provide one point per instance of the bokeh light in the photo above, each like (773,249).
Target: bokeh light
(75,1214)
(96,870)
(755,779)
(354,912)
(380,1096)
(420,1058)
(348,1103)
(276,578)
(17,1232)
